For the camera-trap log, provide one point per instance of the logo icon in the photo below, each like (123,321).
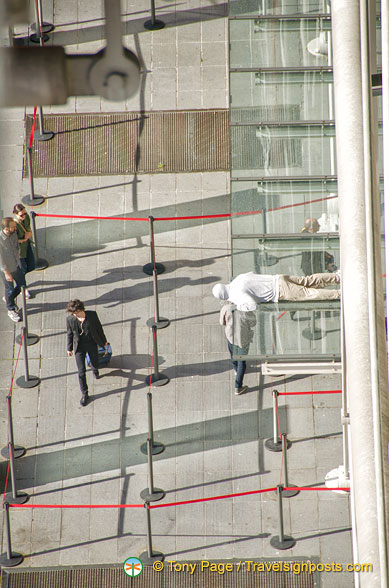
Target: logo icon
(132,566)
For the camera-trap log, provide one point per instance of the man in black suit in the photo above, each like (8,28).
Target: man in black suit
(85,333)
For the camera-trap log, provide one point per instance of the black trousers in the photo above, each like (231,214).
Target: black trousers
(91,349)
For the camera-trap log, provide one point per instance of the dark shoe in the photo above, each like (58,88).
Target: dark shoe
(241,390)
(84,400)
(96,375)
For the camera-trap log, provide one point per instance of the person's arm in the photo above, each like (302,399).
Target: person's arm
(69,335)
(27,227)
(246,303)
(102,339)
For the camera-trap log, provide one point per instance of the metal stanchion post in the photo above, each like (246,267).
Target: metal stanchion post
(14,497)
(157,320)
(40,27)
(31,338)
(157,378)
(9,559)
(31,199)
(275,444)
(153,24)
(40,263)
(149,267)
(281,541)
(41,134)
(18,450)
(287,493)
(149,557)
(156,447)
(151,494)
(26,381)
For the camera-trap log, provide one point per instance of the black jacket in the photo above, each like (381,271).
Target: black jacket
(93,328)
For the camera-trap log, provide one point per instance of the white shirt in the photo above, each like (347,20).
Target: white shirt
(246,290)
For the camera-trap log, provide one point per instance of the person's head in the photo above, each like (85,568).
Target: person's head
(8,225)
(20,212)
(311,225)
(220,291)
(75,306)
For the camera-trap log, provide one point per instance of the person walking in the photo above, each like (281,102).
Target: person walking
(11,270)
(84,334)
(24,233)
(238,330)
(246,290)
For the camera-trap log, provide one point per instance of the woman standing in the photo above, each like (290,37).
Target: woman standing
(24,233)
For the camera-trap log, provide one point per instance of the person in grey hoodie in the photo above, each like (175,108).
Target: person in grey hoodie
(11,270)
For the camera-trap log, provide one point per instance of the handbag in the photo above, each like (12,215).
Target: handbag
(104,353)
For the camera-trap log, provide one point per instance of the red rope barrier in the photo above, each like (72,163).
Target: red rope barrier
(212,498)
(16,365)
(313,392)
(33,128)
(173,218)
(171,503)
(284,206)
(282,314)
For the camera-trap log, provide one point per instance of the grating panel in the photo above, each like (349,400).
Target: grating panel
(114,577)
(150,142)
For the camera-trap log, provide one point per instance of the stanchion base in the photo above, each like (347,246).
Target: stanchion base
(312,335)
(31,339)
(154,26)
(149,560)
(37,39)
(15,560)
(337,479)
(157,379)
(267,260)
(46,27)
(287,543)
(36,201)
(30,383)
(161,324)
(18,451)
(271,446)
(21,498)
(46,136)
(290,493)
(149,268)
(156,448)
(154,496)
(41,264)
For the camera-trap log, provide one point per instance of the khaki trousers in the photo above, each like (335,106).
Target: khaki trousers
(296,288)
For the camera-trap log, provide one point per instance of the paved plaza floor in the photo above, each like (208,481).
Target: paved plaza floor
(214,439)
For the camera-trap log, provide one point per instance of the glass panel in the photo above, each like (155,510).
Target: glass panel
(260,151)
(288,330)
(268,7)
(279,43)
(277,96)
(284,206)
(298,255)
